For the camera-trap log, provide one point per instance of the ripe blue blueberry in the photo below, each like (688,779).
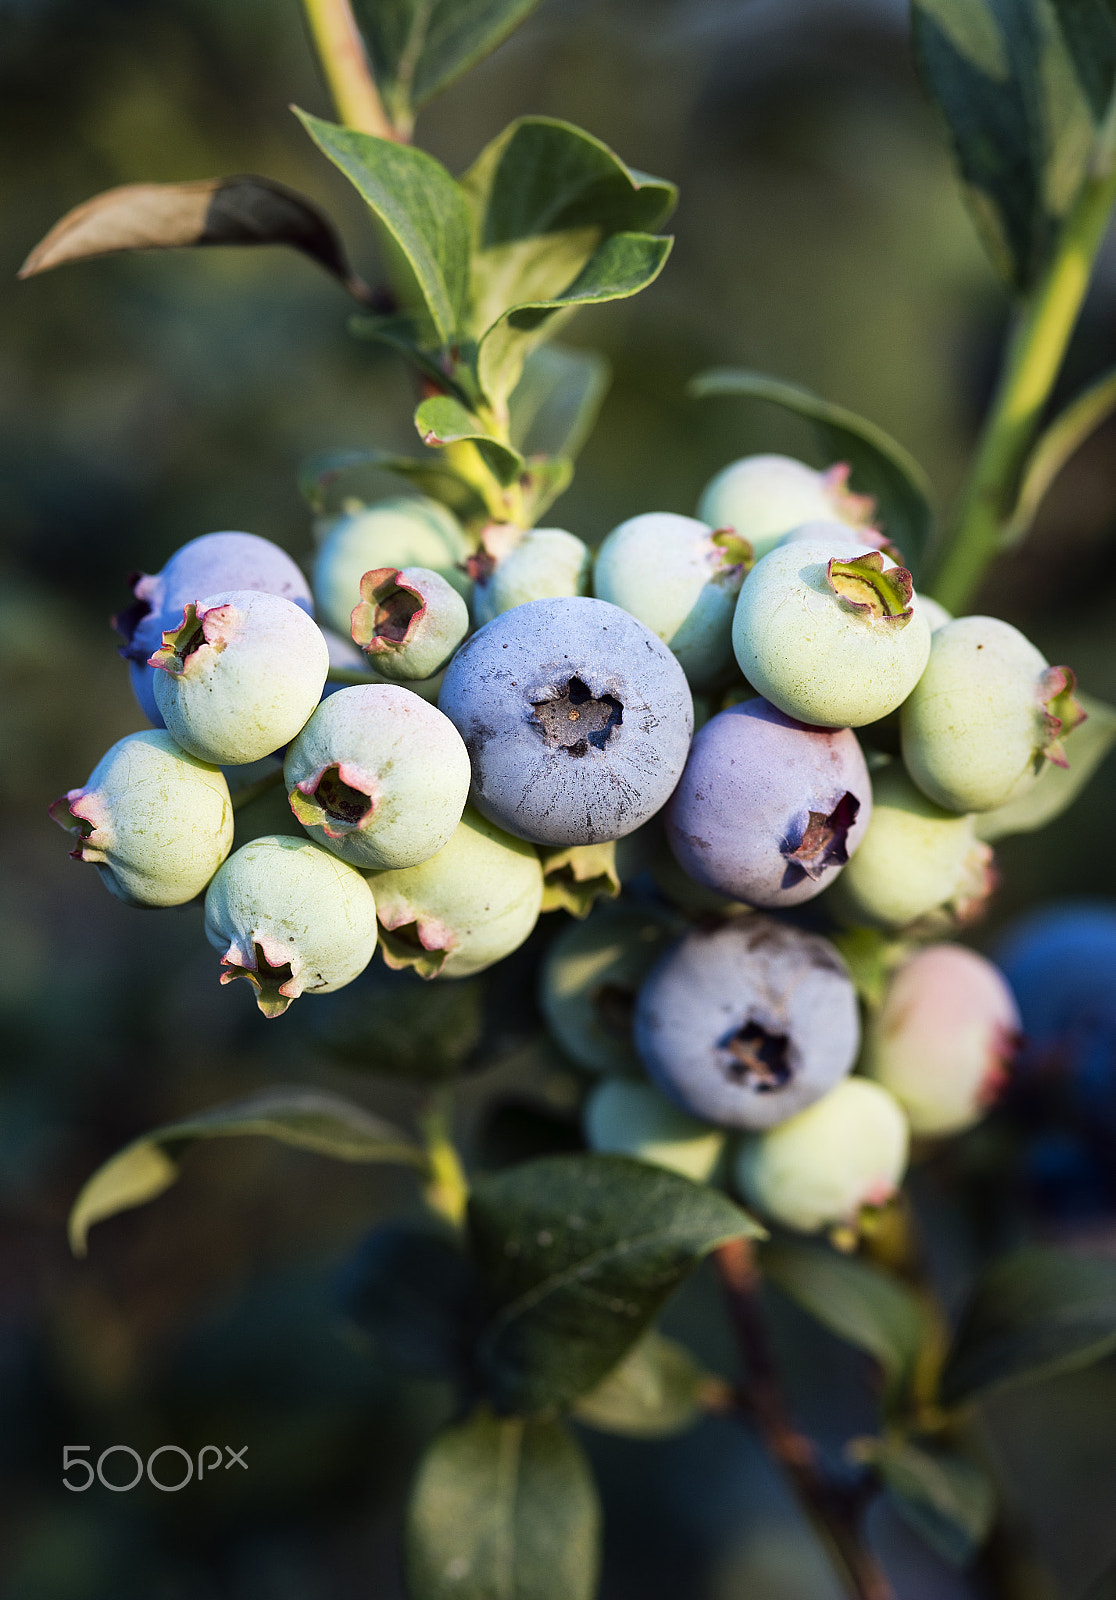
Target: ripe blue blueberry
(768,811)
(211,564)
(576,717)
(748,1023)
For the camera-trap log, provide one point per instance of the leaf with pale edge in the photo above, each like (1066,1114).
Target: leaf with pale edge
(418,47)
(1057,787)
(555,403)
(1089,29)
(306,1118)
(429,474)
(879,466)
(418,203)
(1036,1313)
(622,265)
(859,1303)
(172,216)
(576,1255)
(503,1509)
(654,1392)
(1018,113)
(945,1497)
(444,420)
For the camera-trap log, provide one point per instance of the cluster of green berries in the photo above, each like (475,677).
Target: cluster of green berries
(503,731)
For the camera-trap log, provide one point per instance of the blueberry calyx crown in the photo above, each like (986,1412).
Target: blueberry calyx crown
(273,984)
(759,1058)
(180,643)
(735,560)
(1061,712)
(862,584)
(331,802)
(822,843)
(575,718)
(388,612)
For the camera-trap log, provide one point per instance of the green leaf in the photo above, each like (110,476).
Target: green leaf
(320,473)
(246,210)
(1089,30)
(418,47)
(544,480)
(442,420)
(503,1509)
(555,403)
(1019,120)
(860,1304)
(1057,787)
(306,1118)
(621,266)
(946,1498)
(403,334)
(577,1254)
(879,466)
(1062,439)
(655,1391)
(1036,1313)
(421,207)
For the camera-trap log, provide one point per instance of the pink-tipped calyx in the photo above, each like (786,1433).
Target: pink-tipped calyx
(338,799)
(389,612)
(273,977)
(859,510)
(410,940)
(182,645)
(733,557)
(865,587)
(1061,713)
(80,814)
(497,540)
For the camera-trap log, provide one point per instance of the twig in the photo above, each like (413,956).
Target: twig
(834,1509)
(345,65)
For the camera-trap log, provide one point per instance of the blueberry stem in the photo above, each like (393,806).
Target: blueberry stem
(447,1189)
(344,64)
(1034,358)
(834,1509)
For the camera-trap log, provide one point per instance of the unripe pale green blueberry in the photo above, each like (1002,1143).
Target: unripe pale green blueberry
(821,1167)
(153,820)
(589,980)
(291,918)
(470,905)
(408,622)
(763,497)
(915,858)
(831,638)
(378,776)
(515,565)
(944,1037)
(622,1117)
(405,531)
(681,579)
(934,612)
(987,714)
(240,675)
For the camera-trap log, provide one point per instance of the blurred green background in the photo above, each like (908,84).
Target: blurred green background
(146,400)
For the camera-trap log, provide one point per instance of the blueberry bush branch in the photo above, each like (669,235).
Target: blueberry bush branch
(341,51)
(835,1509)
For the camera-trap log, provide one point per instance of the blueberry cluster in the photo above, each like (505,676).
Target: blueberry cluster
(469,729)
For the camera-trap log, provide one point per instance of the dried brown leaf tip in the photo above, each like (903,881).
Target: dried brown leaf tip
(1061,713)
(865,587)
